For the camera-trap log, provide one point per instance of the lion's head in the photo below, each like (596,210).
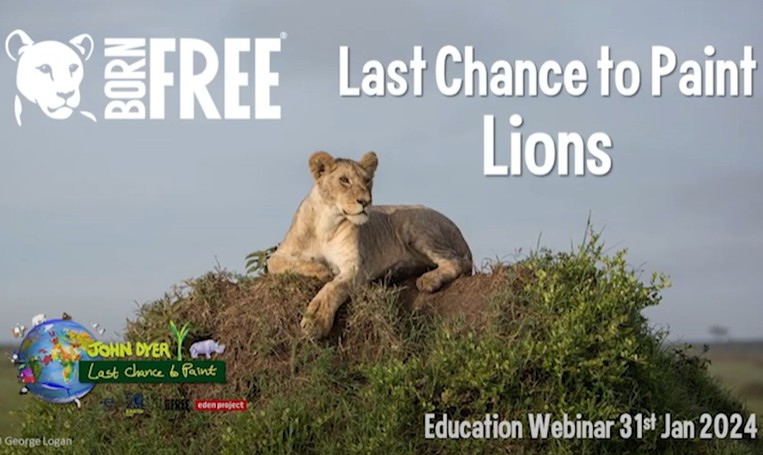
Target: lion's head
(49,73)
(345,185)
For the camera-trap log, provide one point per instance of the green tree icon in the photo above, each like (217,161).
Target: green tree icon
(180,336)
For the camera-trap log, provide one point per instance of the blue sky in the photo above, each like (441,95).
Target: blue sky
(97,217)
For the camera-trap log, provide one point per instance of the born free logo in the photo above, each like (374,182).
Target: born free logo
(136,80)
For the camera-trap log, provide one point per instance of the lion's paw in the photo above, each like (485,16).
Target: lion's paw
(428,283)
(314,326)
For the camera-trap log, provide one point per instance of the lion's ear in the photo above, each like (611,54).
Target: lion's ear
(369,162)
(14,48)
(84,45)
(320,163)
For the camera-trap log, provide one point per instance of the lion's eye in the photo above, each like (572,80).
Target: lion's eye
(344,181)
(44,68)
(73,67)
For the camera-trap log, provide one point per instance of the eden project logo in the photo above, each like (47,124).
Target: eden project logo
(136,79)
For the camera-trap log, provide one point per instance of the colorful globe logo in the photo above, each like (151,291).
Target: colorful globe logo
(48,361)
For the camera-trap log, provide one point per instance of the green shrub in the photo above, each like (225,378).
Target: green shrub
(558,333)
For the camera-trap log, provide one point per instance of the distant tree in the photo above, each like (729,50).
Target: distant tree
(719,332)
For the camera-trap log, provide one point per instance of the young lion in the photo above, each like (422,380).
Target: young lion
(339,237)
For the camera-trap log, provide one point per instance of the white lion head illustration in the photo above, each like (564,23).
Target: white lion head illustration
(49,73)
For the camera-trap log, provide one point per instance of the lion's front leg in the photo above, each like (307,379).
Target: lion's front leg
(320,313)
(285,263)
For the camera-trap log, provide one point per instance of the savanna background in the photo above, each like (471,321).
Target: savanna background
(97,217)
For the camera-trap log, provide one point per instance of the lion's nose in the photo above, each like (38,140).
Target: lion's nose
(364,201)
(65,95)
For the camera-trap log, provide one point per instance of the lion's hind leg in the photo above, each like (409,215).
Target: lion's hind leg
(449,265)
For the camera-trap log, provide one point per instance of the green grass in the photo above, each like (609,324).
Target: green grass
(555,332)
(10,400)
(742,373)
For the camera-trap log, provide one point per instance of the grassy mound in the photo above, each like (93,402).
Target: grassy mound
(556,332)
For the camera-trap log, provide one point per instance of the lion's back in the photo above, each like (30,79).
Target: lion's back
(415,224)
